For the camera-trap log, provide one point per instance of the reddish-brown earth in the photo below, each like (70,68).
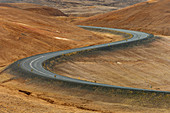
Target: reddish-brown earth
(79,7)
(24,33)
(43,10)
(144,66)
(152,16)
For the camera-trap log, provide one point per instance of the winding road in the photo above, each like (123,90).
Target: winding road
(34,66)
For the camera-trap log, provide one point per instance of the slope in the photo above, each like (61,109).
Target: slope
(152,16)
(80,7)
(23,33)
(44,10)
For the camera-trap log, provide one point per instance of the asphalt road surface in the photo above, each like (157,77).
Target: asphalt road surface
(34,66)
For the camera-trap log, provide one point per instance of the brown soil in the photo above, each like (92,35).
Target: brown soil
(25,33)
(17,100)
(19,95)
(69,19)
(145,66)
(79,7)
(43,10)
(152,16)
(46,11)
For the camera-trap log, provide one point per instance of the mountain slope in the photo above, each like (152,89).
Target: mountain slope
(80,7)
(24,33)
(48,11)
(152,16)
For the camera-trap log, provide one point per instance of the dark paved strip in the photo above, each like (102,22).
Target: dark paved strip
(33,64)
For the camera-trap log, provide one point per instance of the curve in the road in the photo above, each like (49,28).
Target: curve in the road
(34,66)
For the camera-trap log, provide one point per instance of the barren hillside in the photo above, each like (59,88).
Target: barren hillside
(48,11)
(80,7)
(144,66)
(24,33)
(152,16)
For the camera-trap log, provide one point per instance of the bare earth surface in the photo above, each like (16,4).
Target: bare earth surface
(144,66)
(43,10)
(19,95)
(152,16)
(24,33)
(80,7)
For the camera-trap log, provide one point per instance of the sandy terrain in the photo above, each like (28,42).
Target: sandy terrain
(152,16)
(144,66)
